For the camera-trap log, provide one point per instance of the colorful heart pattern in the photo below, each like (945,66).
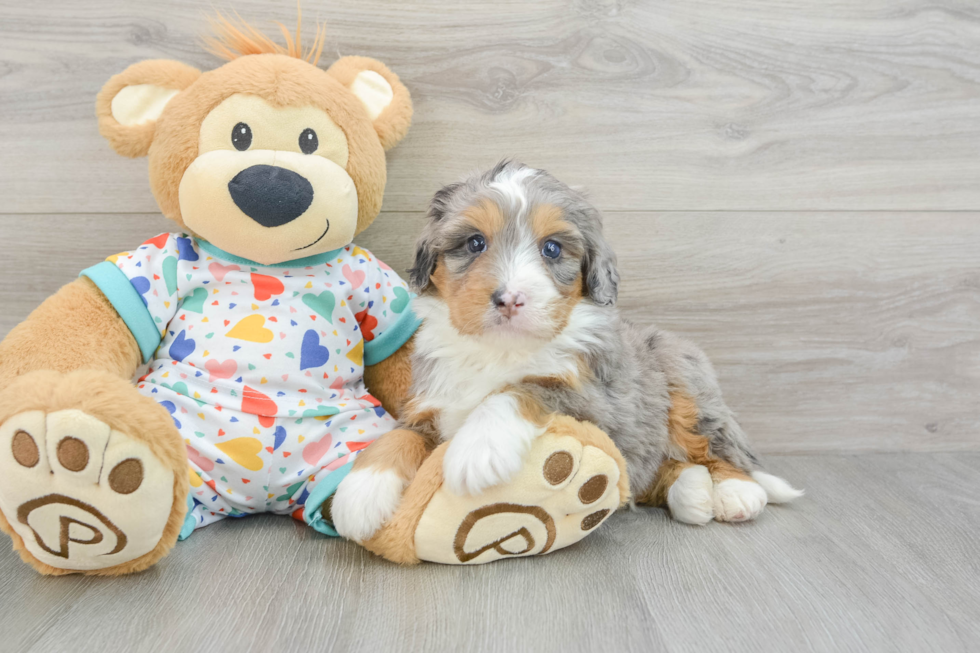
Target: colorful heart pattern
(221,370)
(195,303)
(256,403)
(252,329)
(261,368)
(274,469)
(401,301)
(315,451)
(312,353)
(181,347)
(322,304)
(243,451)
(355,277)
(218,271)
(265,286)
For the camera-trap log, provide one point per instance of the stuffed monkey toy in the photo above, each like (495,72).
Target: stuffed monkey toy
(255,331)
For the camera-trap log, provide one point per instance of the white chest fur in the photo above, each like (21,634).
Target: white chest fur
(461,371)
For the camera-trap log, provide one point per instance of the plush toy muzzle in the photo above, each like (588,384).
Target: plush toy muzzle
(270,182)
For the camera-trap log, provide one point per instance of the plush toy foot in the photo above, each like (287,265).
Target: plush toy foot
(91,474)
(572,479)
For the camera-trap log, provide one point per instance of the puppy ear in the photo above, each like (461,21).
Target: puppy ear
(424,266)
(130,103)
(386,99)
(599,270)
(426,253)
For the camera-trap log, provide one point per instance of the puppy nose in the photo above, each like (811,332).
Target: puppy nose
(270,195)
(507,302)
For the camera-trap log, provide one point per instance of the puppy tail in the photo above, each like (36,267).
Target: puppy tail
(729,442)
(778,490)
(719,436)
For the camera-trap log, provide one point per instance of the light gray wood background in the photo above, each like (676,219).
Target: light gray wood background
(795,185)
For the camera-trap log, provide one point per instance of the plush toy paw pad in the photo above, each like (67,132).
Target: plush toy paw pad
(562,493)
(79,494)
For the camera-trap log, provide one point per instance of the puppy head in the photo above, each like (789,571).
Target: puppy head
(512,251)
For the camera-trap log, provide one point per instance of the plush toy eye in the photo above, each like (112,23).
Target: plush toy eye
(308,141)
(241,136)
(476,244)
(551,249)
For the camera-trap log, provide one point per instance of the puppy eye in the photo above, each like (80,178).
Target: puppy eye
(551,249)
(241,136)
(476,244)
(308,141)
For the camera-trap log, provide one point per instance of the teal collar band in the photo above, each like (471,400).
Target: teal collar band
(316,259)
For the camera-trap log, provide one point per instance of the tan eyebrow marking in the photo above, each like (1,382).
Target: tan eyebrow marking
(487,217)
(548,220)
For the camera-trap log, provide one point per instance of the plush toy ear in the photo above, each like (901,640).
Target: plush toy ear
(386,99)
(130,103)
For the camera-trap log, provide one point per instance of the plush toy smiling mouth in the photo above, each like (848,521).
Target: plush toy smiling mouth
(317,240)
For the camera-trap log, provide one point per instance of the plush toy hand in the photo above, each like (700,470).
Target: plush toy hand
(490,446)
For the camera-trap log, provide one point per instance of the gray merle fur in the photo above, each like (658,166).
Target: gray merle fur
(634,368)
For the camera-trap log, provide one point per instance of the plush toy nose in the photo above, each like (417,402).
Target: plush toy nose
(270,195)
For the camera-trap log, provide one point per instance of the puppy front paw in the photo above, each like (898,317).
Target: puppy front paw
(475,462)
(365,501)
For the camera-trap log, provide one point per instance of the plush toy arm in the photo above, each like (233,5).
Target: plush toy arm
(389,381)
(65,375)
(76,328)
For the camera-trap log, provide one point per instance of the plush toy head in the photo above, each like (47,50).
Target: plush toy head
(267,157)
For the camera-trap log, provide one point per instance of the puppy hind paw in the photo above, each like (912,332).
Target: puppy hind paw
(737,500)
(365,501)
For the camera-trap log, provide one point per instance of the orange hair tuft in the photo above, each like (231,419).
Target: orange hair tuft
(236,38)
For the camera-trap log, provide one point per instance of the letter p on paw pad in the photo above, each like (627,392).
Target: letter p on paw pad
(80,495)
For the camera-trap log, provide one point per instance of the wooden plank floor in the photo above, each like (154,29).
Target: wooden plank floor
(793,185)
(881,555)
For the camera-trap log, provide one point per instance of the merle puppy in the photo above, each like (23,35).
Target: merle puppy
(517,288)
